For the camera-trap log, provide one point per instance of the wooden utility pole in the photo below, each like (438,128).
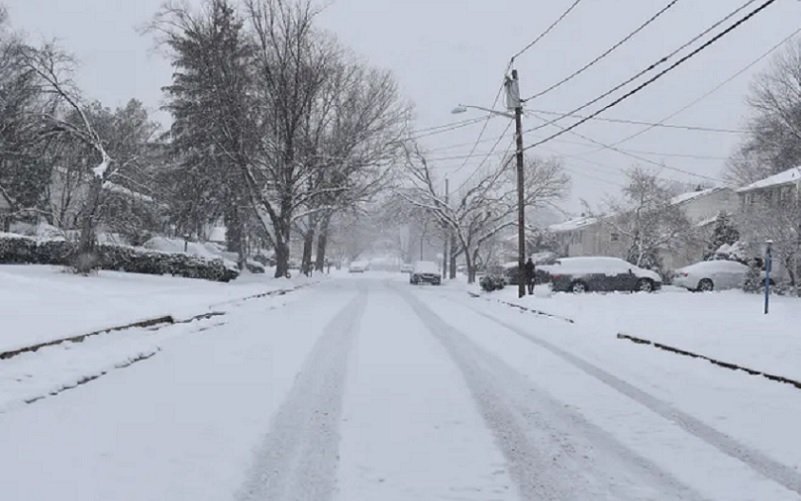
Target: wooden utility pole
(513,101)
(445,238)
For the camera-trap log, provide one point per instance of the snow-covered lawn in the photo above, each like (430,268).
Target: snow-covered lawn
(727,325)
(41,303)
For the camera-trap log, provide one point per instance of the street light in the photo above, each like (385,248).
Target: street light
(462,108)
(513,102)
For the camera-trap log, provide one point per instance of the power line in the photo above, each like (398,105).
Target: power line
(635,156)
(656,77)
(547,30)
(650,124)
(486,157)
(651,67)
(693,156)
(448,128)
(712,90)
(605,53)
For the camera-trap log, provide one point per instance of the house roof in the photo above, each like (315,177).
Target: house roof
(691,195)
(117,188)
(790,176)
(573,224)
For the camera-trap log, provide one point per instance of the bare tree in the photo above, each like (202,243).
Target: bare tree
(485,208)
(52,69)
(773,143)
(646,220)
(779,221)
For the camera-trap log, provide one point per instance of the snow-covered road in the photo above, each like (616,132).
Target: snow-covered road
(370,389)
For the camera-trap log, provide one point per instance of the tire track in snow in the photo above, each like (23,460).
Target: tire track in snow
(553,453)
(756,460)
(298,458)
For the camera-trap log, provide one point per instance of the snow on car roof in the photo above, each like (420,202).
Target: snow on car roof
(715,266)
(597,264)
(426,267)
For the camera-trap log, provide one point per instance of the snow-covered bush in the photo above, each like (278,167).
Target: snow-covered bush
(18,249)
(753,280)
(492,282)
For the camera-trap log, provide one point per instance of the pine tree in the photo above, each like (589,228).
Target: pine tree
(724,234)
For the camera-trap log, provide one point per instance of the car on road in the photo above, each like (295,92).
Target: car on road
(425,272)
(712,275)
(358,266)
(406,268)
(599,273)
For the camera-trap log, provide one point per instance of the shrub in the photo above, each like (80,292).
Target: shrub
(16,249)
(492,282)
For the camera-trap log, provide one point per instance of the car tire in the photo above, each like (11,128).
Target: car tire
(578,287)
(645,285)
(705,285)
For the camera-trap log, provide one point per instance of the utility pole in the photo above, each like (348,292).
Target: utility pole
(513,102)
(445,238)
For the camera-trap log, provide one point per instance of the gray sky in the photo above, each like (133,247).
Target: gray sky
(445,52)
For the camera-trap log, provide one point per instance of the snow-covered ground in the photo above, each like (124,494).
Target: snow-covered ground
(365,387)
(41,303)
(727,325)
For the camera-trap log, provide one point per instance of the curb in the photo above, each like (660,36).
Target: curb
(720,363)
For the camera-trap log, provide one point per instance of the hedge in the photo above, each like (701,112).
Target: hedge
(17,249)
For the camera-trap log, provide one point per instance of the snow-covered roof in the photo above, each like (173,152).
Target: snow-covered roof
(117,188)
(686,197)
(573,224)
(790,176)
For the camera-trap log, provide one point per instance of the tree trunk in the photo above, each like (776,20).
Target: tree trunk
(322,243)
(308,245)
(453,257)
(235,232)
(281,256)
(86,260)
(471,268)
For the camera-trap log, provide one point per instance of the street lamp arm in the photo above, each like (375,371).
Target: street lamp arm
(464,107)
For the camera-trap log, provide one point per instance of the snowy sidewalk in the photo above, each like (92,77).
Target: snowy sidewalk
(728,325)
(40,303)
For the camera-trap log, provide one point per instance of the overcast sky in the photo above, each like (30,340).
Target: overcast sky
(445,52)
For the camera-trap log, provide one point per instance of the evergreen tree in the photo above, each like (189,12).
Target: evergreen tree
(209,101)
(724,234)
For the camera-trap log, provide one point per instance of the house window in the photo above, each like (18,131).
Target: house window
(615,237)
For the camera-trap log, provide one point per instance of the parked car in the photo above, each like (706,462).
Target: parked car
(406,268)
(712,275)
(425,272)
(582,274)
(358,266)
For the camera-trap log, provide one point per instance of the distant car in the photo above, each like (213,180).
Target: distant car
(712,275)
(583,274)
(425,272)
(406,268)
(358,266)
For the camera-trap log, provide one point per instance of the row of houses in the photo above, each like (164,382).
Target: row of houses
(592,236)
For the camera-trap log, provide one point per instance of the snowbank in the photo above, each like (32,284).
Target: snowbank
(41,303)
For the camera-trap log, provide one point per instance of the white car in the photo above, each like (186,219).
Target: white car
(358,266)
(711,275)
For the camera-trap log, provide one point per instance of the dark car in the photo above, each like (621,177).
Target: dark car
(425,272)
(583,274)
